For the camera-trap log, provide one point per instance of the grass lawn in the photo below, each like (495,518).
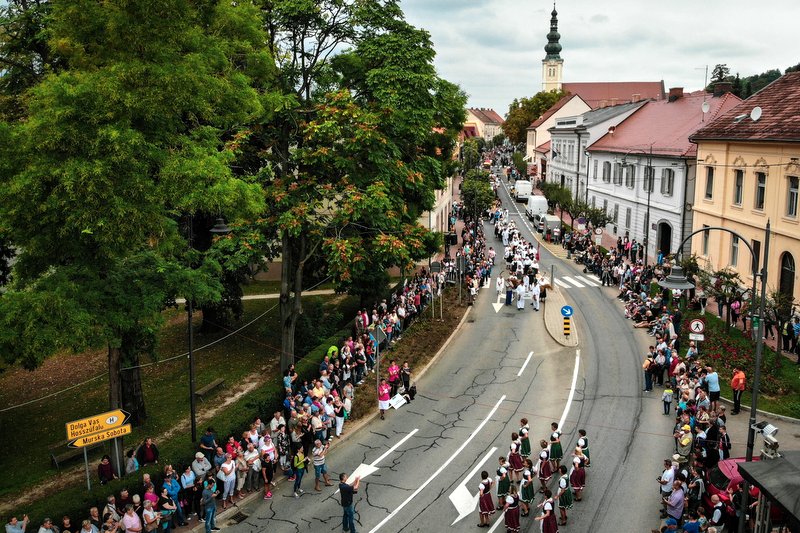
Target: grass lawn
(274,287)
(780,385)
(41,424)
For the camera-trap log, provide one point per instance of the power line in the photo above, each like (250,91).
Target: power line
(185,354)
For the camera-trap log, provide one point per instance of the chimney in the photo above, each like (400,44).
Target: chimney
(722,87)
(636,97)
(675,93)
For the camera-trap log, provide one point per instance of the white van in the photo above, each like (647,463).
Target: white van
(548,222)
(537,205)
(522,190)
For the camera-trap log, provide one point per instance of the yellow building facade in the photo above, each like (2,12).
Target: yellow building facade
(740,186)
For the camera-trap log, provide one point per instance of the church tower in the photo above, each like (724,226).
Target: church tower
(552,64)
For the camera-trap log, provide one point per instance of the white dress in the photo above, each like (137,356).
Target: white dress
(501,285)
(520,296)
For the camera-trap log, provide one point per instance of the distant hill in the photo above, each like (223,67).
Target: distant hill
(745,87)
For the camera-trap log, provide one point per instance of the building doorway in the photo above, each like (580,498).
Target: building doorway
(787,274)
(664,238)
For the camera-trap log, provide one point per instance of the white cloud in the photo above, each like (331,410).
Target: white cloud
(494,48)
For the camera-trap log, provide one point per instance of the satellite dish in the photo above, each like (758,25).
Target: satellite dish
(755,114)
(705,107)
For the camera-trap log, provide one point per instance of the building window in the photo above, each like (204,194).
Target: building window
(791,197)
(594,199)
(761,190)
(628,218)
(705,239)
(756,254)
(734,250)
(667,181)
(606,171)
(595,169)
(630,176)
(616,214)
(617,173)
(709,183)
(605,206)
(738,186)
(647,182)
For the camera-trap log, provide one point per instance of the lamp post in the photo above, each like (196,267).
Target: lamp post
(588,161)
(759,332)
(220,228)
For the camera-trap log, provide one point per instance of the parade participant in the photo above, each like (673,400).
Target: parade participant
(548,517)
(503,482)
(536,292)
(500,284)
(577,478)
(525,449)
(520,290)
(583,444)
(394,377)
(511,509)
(556,453)
(514,458)
(527,490)
(485,502)
(545,471)
(383,396)
(564,495)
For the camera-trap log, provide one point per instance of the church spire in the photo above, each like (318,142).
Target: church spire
(553,47)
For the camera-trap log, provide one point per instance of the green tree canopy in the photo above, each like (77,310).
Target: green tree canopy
(524,111)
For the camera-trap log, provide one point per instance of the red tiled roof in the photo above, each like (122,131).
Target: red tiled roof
(543,148)
(555,107)
(487,116)
(780,108)
(665,125)
(602,93)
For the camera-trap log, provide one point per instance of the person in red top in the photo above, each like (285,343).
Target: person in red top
(383,396)
(737,384)
(147,452)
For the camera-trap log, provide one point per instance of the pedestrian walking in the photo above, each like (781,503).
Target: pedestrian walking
(666,399)
(503,482)
(383,397)
(520,297)
(527,489)
(300,464)
(511,509)
(547,517)
(347,491)
(524,429)
(564,494)
(556,452)
(485,502)
(737,385)
(320,468)
(545,471)
(209,502)
(514,458)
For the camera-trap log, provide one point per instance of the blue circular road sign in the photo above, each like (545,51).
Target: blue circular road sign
(566,311)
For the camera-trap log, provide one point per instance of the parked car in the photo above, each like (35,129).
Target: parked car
(537,205)
(726,475)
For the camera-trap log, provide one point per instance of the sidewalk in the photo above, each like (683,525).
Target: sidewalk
(554,321)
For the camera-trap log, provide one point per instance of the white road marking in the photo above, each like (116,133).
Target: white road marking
(442,467)
(363,470)
(561,283)
(464,500)
(588,281)
(521,370)
(573,281)
(571,390)
(500,520)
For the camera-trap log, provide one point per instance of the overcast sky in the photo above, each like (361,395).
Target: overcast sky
(494,48)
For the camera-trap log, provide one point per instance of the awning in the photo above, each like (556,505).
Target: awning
(778,479)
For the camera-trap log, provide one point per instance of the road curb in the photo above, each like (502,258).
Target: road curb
(552,318)
(764,413)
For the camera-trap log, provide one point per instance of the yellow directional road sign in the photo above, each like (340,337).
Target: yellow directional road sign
(88,440)
(96,424)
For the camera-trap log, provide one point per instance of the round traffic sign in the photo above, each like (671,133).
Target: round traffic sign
(566,311)
(697,326)
(598,231)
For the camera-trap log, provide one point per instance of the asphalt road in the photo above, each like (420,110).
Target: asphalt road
(468,404)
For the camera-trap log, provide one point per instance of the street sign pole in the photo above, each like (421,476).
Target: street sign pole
(86,463)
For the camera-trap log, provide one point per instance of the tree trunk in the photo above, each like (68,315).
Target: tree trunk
(114,402)
(293,258)
(132,394)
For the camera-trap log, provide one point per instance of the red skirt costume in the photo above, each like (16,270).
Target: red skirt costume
(514,457)
(512,514)
(549,524)
(545,470)
(485,501)
(577,478)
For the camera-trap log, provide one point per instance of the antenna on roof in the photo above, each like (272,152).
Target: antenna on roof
(705,106)
(739,118)
(755,114)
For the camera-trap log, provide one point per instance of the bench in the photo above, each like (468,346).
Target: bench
(208,389)
(58,458)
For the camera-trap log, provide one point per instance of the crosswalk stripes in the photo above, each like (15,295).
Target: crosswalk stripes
(572,281)
(576,282)
(561,283)
(588,281)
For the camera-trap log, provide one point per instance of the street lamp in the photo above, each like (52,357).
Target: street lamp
(588,161)
(650,180)
(675,281)
(220,228)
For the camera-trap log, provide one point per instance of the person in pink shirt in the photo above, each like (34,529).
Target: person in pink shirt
(394,376)
(383,396)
